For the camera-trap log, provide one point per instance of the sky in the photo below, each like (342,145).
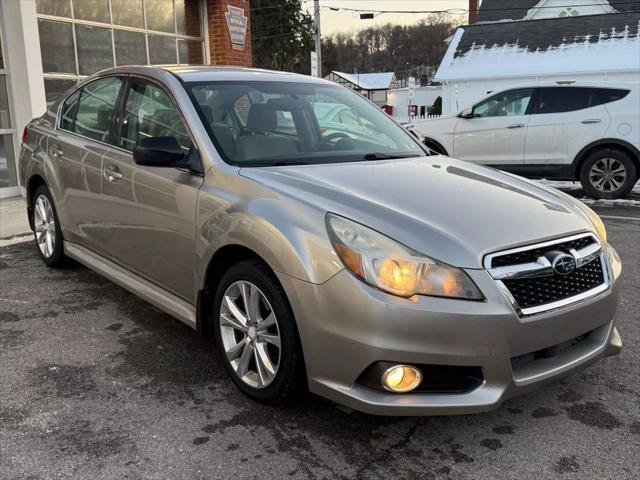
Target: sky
(333,22)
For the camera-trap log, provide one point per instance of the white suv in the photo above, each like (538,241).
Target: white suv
(582,132)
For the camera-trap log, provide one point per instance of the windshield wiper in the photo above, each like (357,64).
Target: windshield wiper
(384,156)
(273,163)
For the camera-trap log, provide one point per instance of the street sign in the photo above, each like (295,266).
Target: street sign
(237,26)
(411,94)
(314,64)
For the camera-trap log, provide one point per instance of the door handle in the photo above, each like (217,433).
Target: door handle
(516,125)
(56,151)
(591,120)
(112,173)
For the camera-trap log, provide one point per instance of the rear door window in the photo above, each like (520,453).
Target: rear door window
(95,110)
(600,96)
(563,99)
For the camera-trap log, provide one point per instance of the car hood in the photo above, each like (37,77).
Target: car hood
(450,210)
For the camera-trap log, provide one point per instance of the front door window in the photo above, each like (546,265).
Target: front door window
(506,104)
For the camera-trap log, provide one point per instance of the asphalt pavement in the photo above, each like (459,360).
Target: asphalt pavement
(96,383)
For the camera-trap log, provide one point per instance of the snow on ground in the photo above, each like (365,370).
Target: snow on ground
(575,189)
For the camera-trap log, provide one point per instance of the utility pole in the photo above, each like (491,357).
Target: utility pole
(316,21)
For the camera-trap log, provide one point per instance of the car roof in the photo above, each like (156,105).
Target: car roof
(200,73)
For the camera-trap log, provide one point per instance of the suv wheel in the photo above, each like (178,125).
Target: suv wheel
(46,228)
(256,334)
(608,173)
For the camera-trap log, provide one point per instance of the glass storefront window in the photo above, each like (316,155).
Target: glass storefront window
(94,10)
(59,8)
(54,88)
(56,47)
(5,118)
(162,50)
(160,15)
(130,48)
(8,177)
(190,52)
(94,49)
(127,12)
(188,17)
(81,37)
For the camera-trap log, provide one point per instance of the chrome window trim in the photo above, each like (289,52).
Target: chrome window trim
(582,256)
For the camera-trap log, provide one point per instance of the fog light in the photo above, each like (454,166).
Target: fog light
(401,378)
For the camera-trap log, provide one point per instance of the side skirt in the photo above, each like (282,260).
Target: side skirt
(173,305)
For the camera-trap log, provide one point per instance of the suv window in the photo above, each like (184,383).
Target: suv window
(506,104)
(149,112)
(563,99)
(601,96)
(92,116)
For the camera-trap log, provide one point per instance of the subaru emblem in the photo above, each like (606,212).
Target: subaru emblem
(563,264)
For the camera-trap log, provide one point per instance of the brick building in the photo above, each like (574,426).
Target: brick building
(47,46)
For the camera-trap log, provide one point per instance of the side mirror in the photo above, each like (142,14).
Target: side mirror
(466,113)
(159,152)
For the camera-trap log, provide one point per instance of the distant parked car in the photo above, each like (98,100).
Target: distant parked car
(589,133)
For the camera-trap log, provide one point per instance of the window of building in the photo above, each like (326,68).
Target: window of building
(81,37)
(8,177)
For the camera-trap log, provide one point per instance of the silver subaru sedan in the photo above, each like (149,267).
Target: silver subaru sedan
(322,252)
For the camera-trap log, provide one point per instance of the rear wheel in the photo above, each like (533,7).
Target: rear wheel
(256,334)
(608,173)
(46,228)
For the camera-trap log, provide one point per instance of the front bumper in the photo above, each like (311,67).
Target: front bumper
(345,326)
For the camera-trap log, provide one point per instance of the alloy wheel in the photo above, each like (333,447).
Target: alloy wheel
(45,226)
(250,334)
(608,175)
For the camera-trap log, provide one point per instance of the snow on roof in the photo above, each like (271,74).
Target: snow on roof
(369,81)
(541,47)
(500,10)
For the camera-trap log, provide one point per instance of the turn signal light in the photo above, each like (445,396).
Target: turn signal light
(401,378)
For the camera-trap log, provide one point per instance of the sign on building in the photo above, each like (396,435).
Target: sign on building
(237,25)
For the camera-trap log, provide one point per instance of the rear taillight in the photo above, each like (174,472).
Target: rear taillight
(24,135)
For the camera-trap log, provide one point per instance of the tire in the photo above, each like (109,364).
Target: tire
(286,378)
(608,173)
(46,228)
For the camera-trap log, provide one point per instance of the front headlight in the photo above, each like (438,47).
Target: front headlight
(394,268)
(598,225)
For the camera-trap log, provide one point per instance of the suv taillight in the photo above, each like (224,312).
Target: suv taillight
(24,135)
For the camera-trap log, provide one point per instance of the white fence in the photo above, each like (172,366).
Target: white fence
(414,118)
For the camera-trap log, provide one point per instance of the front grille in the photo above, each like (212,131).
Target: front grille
(530,292)
(527,256)
(532,282)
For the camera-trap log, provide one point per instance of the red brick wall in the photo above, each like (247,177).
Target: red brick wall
(222,51)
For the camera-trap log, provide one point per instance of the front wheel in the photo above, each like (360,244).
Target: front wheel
(608,173)
(256,334)
(47,229)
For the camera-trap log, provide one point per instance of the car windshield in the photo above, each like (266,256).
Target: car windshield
(257,123)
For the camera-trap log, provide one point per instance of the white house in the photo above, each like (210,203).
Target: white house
(373,86)
(398,100)
(540,41)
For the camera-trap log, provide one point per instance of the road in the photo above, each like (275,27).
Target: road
(95,383)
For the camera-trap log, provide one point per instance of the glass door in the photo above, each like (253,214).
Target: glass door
(8,176)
